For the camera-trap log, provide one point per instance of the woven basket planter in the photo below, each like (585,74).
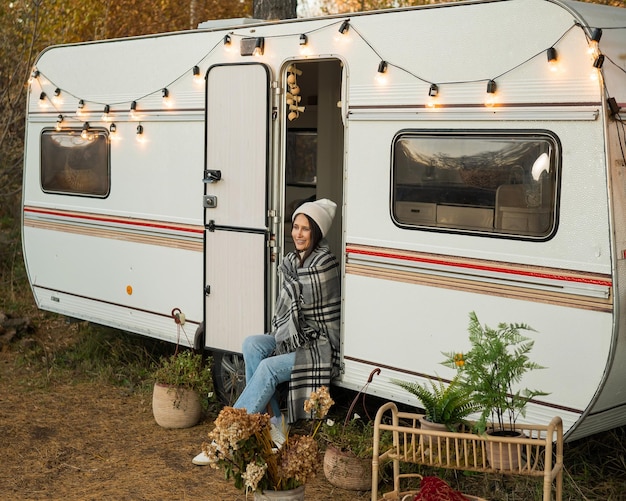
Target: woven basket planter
(346,471)
(174,407)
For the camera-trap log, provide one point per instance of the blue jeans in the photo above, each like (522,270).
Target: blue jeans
(263,374)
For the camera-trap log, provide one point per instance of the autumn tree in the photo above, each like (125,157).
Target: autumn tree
(28,27)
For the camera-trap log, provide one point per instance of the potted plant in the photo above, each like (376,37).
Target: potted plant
(444,405)
(492,370)
(241,445)
(182,387)
(348,454)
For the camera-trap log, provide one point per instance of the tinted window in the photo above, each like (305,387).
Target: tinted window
(71,163)
(496,183)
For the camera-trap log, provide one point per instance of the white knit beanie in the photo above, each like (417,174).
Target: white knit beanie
(322,211)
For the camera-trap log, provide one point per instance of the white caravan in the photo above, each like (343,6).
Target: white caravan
(475,149)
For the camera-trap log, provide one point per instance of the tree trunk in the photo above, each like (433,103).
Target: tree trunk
(274,9)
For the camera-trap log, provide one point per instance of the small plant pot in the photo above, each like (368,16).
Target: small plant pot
(296,494)
(175,407)
(346,471)
(425,424)
(507,455)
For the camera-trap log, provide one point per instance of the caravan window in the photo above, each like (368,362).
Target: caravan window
(496,183)
(73,164)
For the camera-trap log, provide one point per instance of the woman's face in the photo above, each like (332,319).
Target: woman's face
(301,233)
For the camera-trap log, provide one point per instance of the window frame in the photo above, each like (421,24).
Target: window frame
(555,163)
(101,132)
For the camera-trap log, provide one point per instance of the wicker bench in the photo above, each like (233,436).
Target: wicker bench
(539,453)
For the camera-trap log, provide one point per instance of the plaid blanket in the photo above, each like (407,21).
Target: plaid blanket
(307,321)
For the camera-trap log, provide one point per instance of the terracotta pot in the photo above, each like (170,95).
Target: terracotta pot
(433,444)
(504,455)
(425,424)
(346,471)
(296,494)
(174,407)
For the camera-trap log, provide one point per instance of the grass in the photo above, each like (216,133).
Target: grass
(595,467)
(59,351)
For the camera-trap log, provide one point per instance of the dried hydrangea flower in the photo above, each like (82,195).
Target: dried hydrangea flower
(319,403)
(253,475)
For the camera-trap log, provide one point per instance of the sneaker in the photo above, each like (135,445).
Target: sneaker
(201,459)
(277,435)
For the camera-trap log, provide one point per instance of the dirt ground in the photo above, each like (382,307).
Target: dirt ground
(88,441)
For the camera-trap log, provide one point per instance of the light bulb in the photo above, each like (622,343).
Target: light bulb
(197,77)
(141,137)
(490,99)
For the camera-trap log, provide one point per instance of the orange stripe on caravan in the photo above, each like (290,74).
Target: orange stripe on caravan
(484,266)
(86,216)
(526,283)
(142,231)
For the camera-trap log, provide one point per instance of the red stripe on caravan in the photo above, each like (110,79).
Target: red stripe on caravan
(110,219)
(481,267)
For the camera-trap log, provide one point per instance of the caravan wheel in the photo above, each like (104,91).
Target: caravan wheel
(229,376)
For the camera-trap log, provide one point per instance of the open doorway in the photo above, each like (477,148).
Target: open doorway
(314,144)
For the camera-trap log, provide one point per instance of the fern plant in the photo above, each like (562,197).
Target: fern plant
(445,404)
(493,368)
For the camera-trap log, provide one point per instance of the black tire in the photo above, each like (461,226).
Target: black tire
(229,376)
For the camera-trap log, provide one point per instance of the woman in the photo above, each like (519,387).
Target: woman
(303,346)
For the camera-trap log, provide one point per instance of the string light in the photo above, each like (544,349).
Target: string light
(552,59)
(197,77)
(598,61)
(228,44)
(166,97)
(85,132)
(34,75)
(305,48)
(59,124)
(491,93)
(105,113)
(113,136)
(57,96)
(594,39)
(613,106)
(140,135)
(433,92)
(381,78)
(259,46)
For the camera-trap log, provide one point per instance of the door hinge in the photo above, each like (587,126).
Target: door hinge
(211,225)
(207,290)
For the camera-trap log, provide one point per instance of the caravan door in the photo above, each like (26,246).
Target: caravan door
(235,204)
